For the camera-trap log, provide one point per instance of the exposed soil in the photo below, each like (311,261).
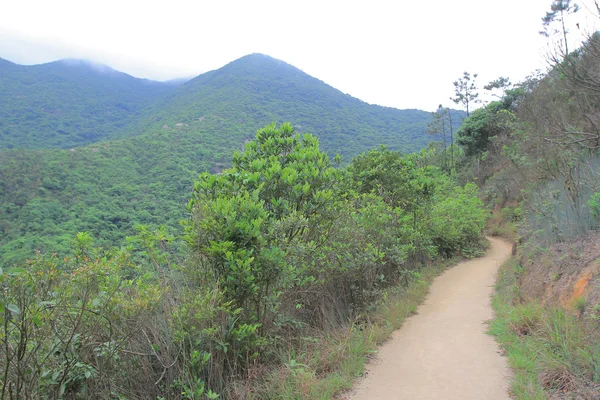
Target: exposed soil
(564,273)
(443,352)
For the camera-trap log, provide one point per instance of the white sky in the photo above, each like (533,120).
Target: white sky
(403,54)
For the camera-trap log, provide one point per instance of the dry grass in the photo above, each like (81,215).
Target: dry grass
(553,353)
(324,366)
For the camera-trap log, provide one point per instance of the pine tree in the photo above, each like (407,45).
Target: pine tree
(465,90)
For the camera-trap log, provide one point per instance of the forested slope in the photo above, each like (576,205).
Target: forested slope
(106,188)
(256,90)
(168,136)
(69,103)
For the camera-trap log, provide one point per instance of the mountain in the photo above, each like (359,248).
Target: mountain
(256,90)
(69,103)
(167,135)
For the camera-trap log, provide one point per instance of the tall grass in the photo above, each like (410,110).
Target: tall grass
(327,364)
(553,353)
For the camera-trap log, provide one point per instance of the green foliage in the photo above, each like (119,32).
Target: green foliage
(400,180)
(594,205)
(105,189)
(66,322)
(458,218)
(292,242)
(69,103)
(282,245)
(256,90)
(446,216)
(482,126)
(170,137)
(72,103)
(244,219)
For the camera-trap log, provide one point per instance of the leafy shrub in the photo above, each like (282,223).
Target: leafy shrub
(66,321)
(282,245)
(457,220)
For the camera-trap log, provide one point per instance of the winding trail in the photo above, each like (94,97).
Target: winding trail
(443,352)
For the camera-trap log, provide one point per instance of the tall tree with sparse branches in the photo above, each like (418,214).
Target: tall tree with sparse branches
(559,10)
(440,124)
(465,90)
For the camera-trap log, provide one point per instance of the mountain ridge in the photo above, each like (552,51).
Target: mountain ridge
(253,90)
(257,89)
(68,103)
(149,143)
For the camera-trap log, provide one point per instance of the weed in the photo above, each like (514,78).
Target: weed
(550,351)
(579,305)
(326,367)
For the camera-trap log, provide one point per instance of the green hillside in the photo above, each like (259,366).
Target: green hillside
(69,103)
(106,188)
(256,90)
(166,137)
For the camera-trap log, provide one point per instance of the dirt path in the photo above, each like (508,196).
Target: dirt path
(443,352)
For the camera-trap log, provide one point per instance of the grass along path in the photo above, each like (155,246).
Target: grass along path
(324,368)
(554,353)
(443,352)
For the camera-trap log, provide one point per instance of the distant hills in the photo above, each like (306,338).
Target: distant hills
(70,103)
(255,90)
(88,148)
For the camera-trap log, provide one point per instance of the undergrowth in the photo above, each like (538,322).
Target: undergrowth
(326,365)
(503,223)
(553,353)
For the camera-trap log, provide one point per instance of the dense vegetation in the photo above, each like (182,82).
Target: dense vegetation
(257,90)
(69,103)
(72,103)
(269,288)
(283,247)
(105,189)
(553,350)
(169,137)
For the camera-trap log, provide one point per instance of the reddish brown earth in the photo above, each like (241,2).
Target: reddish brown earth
(564,273)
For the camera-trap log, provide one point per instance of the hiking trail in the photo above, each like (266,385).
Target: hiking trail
(443,352)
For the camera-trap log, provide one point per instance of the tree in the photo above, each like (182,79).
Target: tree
(478,129)
(244,221)
(465,90)
(557,14)
(501,84)
(442,123)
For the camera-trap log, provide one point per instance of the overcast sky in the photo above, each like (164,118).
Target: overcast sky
(402,54)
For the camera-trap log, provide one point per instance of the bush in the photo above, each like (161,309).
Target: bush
(66,322)
(594,205)
(457,220)
(282,245)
